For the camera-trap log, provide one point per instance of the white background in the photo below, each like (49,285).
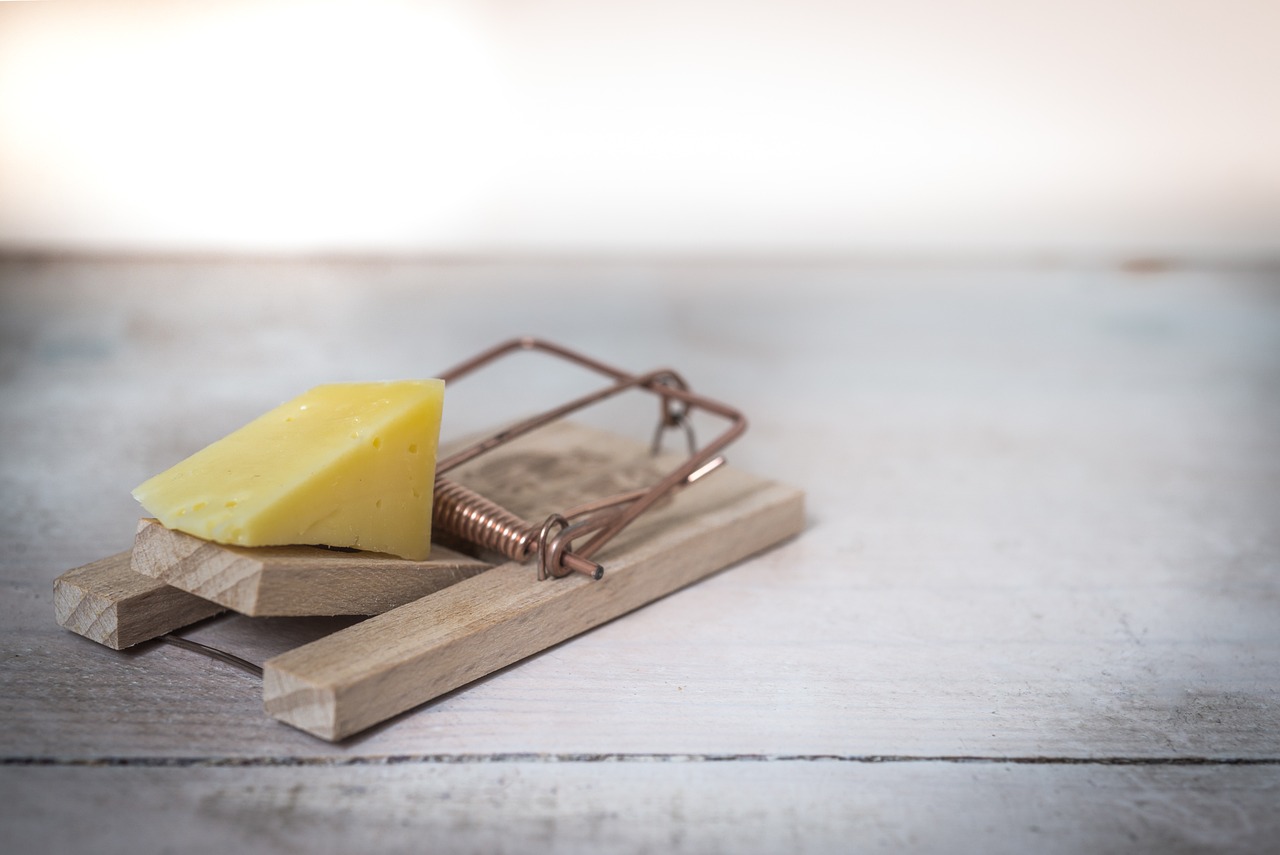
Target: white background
(568,126)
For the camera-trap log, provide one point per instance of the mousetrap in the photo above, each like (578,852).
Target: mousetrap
(544,530)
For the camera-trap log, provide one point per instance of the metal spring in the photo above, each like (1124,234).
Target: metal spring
(472,518)
(466,514)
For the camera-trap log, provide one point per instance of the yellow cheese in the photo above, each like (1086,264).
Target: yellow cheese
(349,464)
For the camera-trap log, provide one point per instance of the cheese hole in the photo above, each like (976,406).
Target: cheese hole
(413,448)
(231,504)
(378,504)
(416,494)
(198,506)
(377,442)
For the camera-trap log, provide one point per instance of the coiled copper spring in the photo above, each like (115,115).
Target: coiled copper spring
(467,515)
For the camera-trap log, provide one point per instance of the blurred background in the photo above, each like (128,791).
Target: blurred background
(564,127)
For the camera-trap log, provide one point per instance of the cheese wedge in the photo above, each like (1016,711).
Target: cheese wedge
(349,464)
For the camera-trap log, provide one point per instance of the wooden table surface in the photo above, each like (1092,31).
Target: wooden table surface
(1036,606)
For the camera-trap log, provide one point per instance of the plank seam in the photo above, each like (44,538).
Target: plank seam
(523,757)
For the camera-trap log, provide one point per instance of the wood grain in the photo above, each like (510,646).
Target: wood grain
(360,676)
(293,580)
(1042,528)
(109,603)
(609,806)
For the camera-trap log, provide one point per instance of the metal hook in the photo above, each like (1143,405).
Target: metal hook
(679,419)
(552,552)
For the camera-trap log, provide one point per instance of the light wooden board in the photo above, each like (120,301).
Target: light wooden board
(874,665)
(107,602)
(1041,525)
(356,678)
(293,580)
(682,806)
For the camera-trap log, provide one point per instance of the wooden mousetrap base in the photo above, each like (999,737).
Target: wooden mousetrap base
(413,653)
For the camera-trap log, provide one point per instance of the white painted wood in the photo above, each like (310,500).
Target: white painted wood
(1042,518)
(626,807)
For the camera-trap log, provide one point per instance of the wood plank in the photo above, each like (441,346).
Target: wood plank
(294,580)
(671,805)
(109,603)
(837,659)
(1042,523)
(1043,513)
(360,676)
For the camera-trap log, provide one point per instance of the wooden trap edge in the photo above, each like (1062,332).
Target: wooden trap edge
(107,602)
